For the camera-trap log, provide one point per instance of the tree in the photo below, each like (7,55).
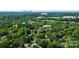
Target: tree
(69,40)
(43,43)
(4,43)
(53,44)
(3,32)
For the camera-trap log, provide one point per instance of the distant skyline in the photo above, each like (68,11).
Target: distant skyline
(39,5)
(39,11)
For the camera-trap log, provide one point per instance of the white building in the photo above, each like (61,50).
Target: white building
(56,17)
(69,17)
(23,23)
(46,25)
(77,16)
(39,17)
(3,37)
(44,14)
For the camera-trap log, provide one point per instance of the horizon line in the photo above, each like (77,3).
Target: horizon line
(39,10)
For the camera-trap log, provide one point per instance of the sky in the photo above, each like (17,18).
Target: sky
(39,5)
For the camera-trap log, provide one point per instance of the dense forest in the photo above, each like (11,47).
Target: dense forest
(25,30)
